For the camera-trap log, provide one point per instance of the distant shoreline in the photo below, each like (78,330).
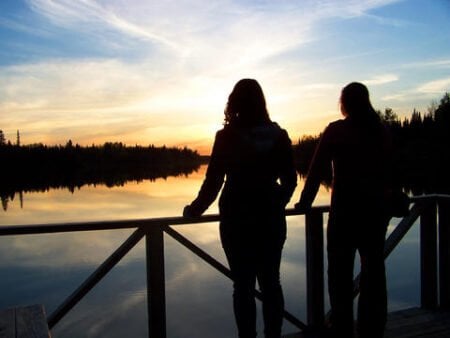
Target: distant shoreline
(40,167)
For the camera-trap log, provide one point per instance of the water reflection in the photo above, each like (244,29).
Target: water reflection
(161,197)
(47,268)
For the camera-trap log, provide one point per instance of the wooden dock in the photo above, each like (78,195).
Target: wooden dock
(24,322)
(418,322)
(409,323)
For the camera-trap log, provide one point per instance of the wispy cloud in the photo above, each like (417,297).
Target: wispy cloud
(84,83)
(391,22)
(436,64)
(227,28)
(92,17)
(213,38)
(401,97)
(16,25)
(428,90)
(381,79)
(435,87)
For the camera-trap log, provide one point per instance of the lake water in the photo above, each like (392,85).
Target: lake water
(47,268)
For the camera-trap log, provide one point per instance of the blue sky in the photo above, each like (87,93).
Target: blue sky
(160,71)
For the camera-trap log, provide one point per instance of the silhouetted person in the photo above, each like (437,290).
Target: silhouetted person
(357,150)
(254,157)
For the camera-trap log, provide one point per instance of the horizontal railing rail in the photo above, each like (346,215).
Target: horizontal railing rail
(433,211)
(29,229)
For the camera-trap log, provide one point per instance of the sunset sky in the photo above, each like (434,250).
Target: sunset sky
(159,72)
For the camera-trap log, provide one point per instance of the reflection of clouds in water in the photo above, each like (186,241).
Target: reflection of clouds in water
(58,250)
(183,273)
(116,307)
(403,272)
(198,296)
(125,317)
(200,234)
(146,199)
(130,302)
(293,270)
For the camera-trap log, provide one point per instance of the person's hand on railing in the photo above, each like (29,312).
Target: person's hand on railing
(188,212)
(301,207)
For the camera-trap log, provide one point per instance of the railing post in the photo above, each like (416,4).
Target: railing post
(444,252)
(156,292)
(314,268)
(428,253)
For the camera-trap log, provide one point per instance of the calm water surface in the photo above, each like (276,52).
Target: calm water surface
(47,268)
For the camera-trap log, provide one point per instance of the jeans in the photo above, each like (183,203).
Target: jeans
(366,236)
(254,257)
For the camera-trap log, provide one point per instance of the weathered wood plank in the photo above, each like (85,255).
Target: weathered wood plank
(24,322)
(7,323)
(412,323)
(31,322)
(409,323)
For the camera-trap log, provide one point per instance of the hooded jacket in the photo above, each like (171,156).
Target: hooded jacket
(257,167)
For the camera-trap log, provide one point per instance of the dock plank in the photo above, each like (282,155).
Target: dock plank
(7,323)
(24,322)
(31,322)
(409,323)
(413,323)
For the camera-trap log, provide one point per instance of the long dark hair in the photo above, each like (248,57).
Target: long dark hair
(355,104)
(246,105)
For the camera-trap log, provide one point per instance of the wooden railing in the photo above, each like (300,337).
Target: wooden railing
(433,210)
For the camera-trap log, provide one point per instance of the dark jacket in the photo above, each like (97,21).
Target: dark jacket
(359,156)
(258,168)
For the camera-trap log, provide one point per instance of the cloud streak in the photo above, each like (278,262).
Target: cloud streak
(428,90)
(381,79)
(435,87)
(439,64)
(227,27)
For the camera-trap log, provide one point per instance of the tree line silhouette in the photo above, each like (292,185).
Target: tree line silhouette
(421,157)
(40,167)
